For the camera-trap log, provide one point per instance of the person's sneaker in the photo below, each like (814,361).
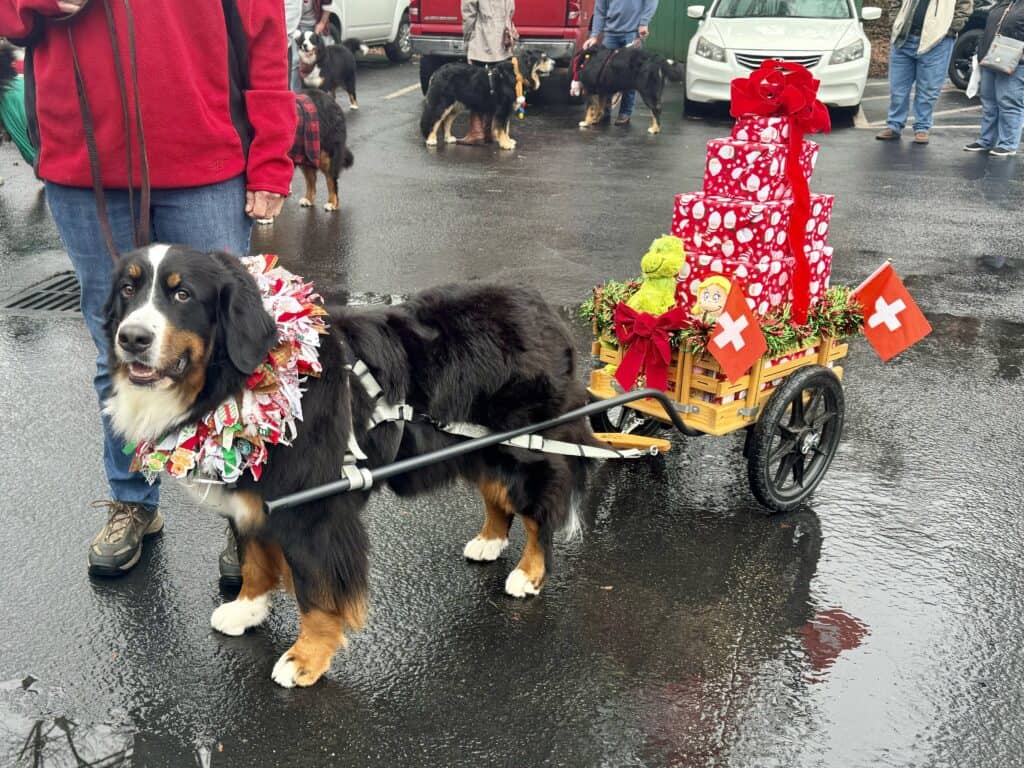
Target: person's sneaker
(920,137)
(118,547)
(976,147)
(1002,152)
(230,567)
(887,134)
(622,120)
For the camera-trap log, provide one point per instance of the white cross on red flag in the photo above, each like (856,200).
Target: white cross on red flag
(892,321)
(736,340)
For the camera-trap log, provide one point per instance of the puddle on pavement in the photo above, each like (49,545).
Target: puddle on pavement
(34,731)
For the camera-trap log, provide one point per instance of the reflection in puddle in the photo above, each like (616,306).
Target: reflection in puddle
(827,635)
(32,735)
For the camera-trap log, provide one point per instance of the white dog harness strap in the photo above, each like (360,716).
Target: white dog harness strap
(385,412)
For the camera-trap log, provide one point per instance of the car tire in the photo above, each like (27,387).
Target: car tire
(428,66)
(694,109)
(964,49)
(400,49)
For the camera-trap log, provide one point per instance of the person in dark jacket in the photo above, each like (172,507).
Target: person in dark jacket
(922,43)
(1002,95)
(620,24)
(211,119)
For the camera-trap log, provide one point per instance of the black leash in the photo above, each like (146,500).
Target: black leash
(140,231)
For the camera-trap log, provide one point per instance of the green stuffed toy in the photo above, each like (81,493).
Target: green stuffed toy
(660,266)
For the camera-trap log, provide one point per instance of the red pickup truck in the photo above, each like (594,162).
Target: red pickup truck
(556,27)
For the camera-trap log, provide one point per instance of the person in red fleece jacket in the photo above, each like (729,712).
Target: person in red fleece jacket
(202,106)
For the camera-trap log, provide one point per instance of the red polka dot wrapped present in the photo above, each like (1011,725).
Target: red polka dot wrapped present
(820,261)
(818,221)
(766,283)
(735,229)
(753,171)
(759,128)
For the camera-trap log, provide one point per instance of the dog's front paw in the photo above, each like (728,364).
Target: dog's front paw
(518,584)
(653,131)
(508,144)
(484,550)
(431,142)
(305,202)
(353,106)
(330,207)
(450,139)
(583,124)
(292,670)
(237,616)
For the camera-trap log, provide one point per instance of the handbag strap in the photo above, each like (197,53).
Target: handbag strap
(1009,5)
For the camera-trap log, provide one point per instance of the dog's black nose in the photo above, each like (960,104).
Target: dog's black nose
(134,338)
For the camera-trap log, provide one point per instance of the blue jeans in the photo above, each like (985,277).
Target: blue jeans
(208,218)
(1002,108)
(615,40)
(926,72)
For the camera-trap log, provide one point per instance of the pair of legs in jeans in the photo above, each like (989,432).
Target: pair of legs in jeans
(925,72)
(614,40)
(1002,109)
(208,218)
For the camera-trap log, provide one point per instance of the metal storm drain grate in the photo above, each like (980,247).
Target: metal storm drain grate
(57,293)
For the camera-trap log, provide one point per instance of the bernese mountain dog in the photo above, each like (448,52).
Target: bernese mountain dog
(328,67)
(489,91)
(186,329)
(328,152)
(603,72)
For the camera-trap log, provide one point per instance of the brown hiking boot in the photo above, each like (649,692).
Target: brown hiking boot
(118,547)
(921,137)
(887,134)
(476,136)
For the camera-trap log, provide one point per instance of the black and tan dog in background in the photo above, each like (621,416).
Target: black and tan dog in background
(186,329)
(489,91)
(320,144)
(603,72)
(329,67)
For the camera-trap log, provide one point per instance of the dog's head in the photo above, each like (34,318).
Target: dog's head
(533,65)
(184,329)
(309,44)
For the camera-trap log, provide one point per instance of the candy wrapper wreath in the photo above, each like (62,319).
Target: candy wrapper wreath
(785,89)
(234,437)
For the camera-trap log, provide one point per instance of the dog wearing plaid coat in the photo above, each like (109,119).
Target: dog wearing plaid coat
(320,144)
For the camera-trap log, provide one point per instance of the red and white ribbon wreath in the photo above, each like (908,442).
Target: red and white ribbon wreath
(234,437)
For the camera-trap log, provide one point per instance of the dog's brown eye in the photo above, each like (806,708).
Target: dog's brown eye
(181,295)
(127,290)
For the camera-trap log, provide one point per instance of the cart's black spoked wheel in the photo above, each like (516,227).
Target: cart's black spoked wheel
(627,421)
(795,438)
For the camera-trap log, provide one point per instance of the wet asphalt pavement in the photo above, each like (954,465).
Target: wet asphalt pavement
(880,625)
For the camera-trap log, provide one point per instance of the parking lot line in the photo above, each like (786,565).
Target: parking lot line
(403,91)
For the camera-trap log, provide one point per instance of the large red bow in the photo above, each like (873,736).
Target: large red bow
(787,89)
(645,338)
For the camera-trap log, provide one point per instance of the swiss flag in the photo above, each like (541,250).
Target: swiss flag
(736,340)
(892,321)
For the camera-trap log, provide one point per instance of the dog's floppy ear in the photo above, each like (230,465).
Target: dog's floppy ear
(249,333)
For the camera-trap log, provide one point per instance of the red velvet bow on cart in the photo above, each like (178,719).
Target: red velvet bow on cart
(786,89)
(645,340)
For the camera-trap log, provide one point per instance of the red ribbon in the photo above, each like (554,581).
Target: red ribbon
(645,338)
(786,89)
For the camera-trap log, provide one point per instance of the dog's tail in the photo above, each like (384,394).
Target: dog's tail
(673,70)
(347,158)
(355,45)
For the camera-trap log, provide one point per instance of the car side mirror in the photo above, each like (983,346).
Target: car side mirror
(695,11)
(871,13)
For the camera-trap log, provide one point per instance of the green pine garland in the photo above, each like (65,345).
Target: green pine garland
(835,314)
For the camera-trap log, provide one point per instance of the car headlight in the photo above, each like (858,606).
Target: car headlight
(708,50)
(850,52)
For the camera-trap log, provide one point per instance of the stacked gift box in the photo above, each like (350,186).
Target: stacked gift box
(738,225)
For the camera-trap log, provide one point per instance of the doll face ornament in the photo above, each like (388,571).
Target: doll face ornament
(711,296)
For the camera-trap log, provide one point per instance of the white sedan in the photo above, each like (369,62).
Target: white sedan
(735,36)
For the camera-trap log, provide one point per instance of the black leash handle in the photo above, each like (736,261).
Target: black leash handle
(459,449)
